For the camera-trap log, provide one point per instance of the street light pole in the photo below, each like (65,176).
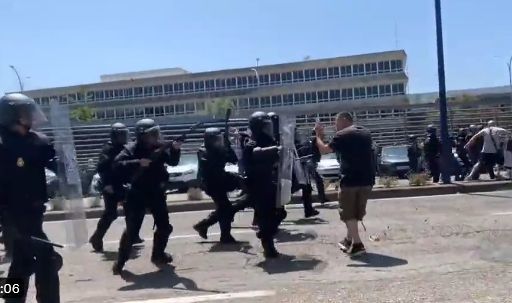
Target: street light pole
(446,151)
(510,79)
(257,75)
(17,75)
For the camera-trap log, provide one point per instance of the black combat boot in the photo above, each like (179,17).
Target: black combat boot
(96,242)
(269,250)
(161,259)
(202,226)
(117,268)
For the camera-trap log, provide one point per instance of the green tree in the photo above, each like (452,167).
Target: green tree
(218,108)
(82,114)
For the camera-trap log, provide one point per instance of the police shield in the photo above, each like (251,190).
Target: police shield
(286,160)
(299,168)
(70,184)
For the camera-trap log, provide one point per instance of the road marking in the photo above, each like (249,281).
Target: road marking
(208,298)
(503,214)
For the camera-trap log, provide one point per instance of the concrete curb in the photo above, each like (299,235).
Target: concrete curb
(379,193)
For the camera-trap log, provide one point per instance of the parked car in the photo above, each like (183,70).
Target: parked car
(329,167)
(184,174)
(394,161)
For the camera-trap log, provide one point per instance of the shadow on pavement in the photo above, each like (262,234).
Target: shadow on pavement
(286,263)
(243,247)
(377,260)
(165,277)
(306,221)
(112,255)
(286,235)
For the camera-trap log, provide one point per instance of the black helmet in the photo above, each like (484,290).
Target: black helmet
(146,126)
(412,138)
(431,129)
(20,109)
(212,137)
(119,134)
(260,123)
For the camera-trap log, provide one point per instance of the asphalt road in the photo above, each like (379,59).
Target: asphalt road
(455,248)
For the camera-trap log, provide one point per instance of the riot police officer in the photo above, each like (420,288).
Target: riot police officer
(113,191)
(24,154)
(462,153)
(142,165)
(212,158)
(413,153)
(261,158)
(432,152)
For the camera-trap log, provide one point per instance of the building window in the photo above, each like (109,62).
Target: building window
(371,68)
(321,73)
(180,109)
(37,101)
(275,78)
(220,84)
(298,76)
(396,65)
(190,108)
(286,77)
(243,103)
(200,107)
(334,72)
(254,102)
(90,97)
(118,94)
(384,90)
(265,101)
(128,92)
(63,99)
(347,94)
(168,89)
(158,90)
(72,98)
(334,95)
(264,79)
(139,112)
(323,96)
(385,113)
(189,87)
(277,101)
(309,75)
(45,101)
(159,111)
(209,85)
(299,98)
(398,89)
(119,113)
(169,110)
(384,67)
(178,88)
(252,81)
(138,92)
(109,94)
(346,71)
(288,99)
(358,69)
(149,111)
(129,112)
(372,91)
(241,82)
(148,91)
(359,93)
(110,113)
(231,83)
(100,113)
(199,86)
(311,97)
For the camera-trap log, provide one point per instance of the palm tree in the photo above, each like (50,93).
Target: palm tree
(83,114)
(218,108)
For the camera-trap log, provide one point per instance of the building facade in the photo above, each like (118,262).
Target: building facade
(298,88)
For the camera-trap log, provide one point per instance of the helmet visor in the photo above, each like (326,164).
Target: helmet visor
(31,115)
(268,129)
(120,136)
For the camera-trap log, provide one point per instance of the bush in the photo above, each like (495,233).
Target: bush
(418,179)
(388,182)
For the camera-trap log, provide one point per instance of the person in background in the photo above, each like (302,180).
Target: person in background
(313,166)
(353,146)
(492,150)
(414,154)
(432,152)
(474,151)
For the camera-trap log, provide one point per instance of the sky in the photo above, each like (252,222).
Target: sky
(62,42)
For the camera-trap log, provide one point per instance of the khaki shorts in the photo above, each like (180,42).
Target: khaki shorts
(352,202)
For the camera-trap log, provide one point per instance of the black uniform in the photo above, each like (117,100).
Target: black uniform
(312,166)
(413,153)
(307,189)
(147,190)
(23,158)
(261,158)
(212,158)
(462,153)
(432,152)
(112,190)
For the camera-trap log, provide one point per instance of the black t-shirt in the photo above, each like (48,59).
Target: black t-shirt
(353,146)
